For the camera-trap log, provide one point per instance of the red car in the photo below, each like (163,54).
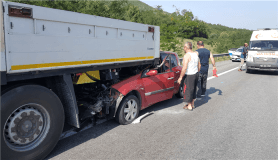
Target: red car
(149,87)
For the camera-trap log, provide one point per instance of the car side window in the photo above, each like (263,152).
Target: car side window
(166,66)
(174,60)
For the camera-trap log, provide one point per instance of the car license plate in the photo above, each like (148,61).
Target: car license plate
(238,59)
(265,65)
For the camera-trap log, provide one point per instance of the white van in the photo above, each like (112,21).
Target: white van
(263,50)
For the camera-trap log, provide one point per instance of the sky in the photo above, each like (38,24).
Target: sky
(235,14)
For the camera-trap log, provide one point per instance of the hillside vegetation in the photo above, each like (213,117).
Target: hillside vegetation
(175,28)
(141,5)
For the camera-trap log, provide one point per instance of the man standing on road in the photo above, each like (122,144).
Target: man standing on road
(243,56)
(204,56)
(191,66)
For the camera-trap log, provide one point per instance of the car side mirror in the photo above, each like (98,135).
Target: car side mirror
(151,73)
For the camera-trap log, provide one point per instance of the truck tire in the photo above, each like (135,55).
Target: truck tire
(128,110)
(32,119)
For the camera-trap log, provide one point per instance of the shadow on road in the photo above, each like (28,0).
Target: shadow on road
(75,140)
(269,73)
(199,103)
(78,139)
(162,105)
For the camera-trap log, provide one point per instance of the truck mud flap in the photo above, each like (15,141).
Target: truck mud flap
(63,87)
(3,78)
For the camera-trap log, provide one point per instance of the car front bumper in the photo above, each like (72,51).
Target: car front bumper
(236,58)
(262,67)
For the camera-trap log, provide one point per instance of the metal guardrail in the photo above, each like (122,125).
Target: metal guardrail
(215,55)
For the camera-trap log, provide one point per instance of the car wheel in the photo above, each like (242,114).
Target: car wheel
(248,71)
(128,110)
(32,119)
(180,93)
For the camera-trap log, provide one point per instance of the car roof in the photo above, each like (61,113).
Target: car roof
(168,52)
(269,34)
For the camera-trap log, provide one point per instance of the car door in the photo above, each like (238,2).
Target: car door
(176,68)
(159,87)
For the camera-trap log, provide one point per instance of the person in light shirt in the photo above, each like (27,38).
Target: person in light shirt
(190,69)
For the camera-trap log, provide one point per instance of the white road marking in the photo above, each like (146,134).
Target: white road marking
(138,120)
(223,73)
(170,111)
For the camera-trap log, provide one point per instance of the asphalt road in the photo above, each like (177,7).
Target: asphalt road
(237,119)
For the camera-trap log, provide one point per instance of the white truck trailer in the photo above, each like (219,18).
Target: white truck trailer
(43,50)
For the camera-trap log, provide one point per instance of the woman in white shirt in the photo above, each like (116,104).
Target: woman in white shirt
(190,69)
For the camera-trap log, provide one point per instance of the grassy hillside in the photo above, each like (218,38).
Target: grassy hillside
(212,48)
(141,5)
(138,3)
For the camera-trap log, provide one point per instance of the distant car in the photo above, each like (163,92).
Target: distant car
(236,55)
(231,51)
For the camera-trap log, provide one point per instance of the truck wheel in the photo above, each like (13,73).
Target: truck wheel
(128,110)
(32,119)
(180,93)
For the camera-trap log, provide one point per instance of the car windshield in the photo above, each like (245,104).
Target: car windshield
(264,45)
(239,50)
(163,55)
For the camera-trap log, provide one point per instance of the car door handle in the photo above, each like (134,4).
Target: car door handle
(170,78)
(178,72)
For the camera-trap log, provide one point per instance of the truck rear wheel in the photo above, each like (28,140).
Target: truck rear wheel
(128,110)
(32,119)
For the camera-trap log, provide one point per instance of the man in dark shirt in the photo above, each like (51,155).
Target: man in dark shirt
(204,56)
(243,56)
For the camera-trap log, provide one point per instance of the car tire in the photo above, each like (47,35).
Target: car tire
(180,93)
(32,120)
(248,71)
(128,110)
